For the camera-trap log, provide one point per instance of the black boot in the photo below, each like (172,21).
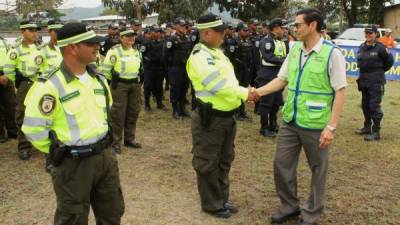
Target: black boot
(175,111)
(182,110)
(161,106)
(265,126)
(363,130)
(374,136)
(147,106)
(273,124)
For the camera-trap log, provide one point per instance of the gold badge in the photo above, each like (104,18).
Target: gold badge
(113,59)
(39,60)
(13,55)
(47,104)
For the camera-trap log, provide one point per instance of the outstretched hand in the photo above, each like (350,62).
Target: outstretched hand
(253,95)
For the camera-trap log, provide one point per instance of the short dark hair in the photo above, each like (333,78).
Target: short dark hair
(311,15)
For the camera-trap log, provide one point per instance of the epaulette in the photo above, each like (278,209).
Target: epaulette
(44,77)
(115,46)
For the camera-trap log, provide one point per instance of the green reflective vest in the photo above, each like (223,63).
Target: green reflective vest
(75,111)
(213,78)
(52,58)
(279,51)
(126,62)
(310,94)
(27,59)
(3,52)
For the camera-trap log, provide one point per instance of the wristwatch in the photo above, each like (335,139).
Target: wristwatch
(332,129)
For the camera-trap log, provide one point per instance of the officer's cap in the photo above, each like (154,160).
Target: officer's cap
(74,33)
(242,26)
(180,21)
(27,24)
(169,24)
(277,22)
(126,32)
(157,28)
(254,21)
(113,26)
(211,21)
(229,26)
(54,24)
(373,29)
(265,23)
(136,22)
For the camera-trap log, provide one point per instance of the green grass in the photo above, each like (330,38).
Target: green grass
(159,183)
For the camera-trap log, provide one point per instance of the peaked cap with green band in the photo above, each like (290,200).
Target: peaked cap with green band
(74,33)
(210,21)
(27,25)
(126,32)
(54,24)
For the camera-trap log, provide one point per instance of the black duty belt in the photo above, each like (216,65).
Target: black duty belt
(225,114)
(128,81)
(88,150)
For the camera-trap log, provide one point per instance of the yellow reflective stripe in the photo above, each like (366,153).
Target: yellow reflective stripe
(54,26)
(219,86)
(31,25)
(86,141)
(76,39)
(209,25)
(36,121)
(38,136)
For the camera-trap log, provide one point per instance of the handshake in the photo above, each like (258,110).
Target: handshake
(253,96)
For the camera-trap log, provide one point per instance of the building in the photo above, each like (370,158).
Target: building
(102,22)
(392,19)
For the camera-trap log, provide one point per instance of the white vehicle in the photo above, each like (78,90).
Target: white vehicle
(354,36)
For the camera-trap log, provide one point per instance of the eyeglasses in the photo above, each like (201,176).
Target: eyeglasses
(297,25)
(369,32)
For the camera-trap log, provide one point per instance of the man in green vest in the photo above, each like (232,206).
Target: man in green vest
(68,116)
(315,74)
(213,125)
(23,66)
(51,52)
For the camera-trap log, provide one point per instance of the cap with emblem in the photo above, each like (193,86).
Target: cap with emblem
(210,21)
(54,24)
(179,21)
(27,24)
(373,29)
(277,22)
(242,26)
(74,33)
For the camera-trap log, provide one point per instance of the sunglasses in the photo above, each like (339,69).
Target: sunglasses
(369,32)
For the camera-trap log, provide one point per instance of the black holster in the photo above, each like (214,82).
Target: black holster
(205,112)
(19,78)
(57,149)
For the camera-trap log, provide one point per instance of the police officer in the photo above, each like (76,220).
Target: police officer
(175,54)
(68,116)
(315,73)
(229,46)
(255,38)
(112,39)
(373,60)
(122,66)
(153,69)
(273,54)
(213,123)
(265,29)
(52,57)
(244,63)
(8,128)
(136,26)
(23,65)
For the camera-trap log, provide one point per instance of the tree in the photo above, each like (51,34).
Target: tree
(109,11)
(25,7)
(129,8)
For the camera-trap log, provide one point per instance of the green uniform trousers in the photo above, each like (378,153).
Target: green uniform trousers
(23,88)
(291,140)
(7,109)
(213,154)
(125,111)
(79,183)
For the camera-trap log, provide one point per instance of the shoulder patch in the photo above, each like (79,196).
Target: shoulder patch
(142,48)
(210,61)
(47,104)
(13,55)
(169,44)
(39,60)
(257,44)
(194,38)
(232,48)
(268,46)
(113,59)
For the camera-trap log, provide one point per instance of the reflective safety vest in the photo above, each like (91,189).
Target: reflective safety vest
(27,59)
(126,62)
(52,58)
(3,52)
(310,94)
(279,51)
(213,78)
(75,111)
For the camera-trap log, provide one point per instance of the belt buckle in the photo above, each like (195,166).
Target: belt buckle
(74,153)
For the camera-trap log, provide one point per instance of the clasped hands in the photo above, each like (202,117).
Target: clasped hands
(253,96)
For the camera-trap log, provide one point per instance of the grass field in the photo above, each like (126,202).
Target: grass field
(159,183)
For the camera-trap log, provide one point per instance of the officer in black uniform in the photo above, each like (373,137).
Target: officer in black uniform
(255,38)
(244,63)
(229,45)
(264,29)
(373,60)
(136,26)
(176,51)
(112,39)
(195,38)
(273,54)
(153,68)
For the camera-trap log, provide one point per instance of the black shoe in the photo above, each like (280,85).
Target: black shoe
(132,144)
(162,107)
(117,149)
(232,208)
(280,217)
(302,222)
(3,140)
(24,154)
(12,135)
(220,213)
(176,115)
(374,136)
(147,108)
(364,130)
(268,133)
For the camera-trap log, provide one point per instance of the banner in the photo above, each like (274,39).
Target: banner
(350,54)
